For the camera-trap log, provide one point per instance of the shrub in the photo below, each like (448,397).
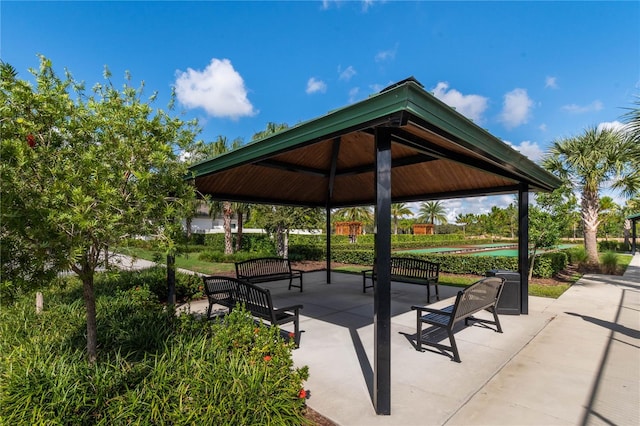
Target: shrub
(615,246)
(577,255)
(153,367)
(609,262)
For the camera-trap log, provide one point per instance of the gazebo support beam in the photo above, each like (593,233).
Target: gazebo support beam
(382,294)
(335,150)
(523,246)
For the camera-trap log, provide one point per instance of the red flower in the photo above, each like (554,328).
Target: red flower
(31,140)
(292,335)
(302,394)
(267,358)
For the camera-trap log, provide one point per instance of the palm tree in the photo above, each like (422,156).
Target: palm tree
(243,211)
(219,147)
(588,161)
(399,210)
(432,212)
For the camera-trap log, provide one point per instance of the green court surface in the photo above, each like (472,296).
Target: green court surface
(506,249)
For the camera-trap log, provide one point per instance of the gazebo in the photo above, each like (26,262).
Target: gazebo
(399,145)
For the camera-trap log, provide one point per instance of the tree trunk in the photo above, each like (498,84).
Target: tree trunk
(280,241)
(226,215)
(531,262)
(590,223)
(189,228)
(90,305)
(285,253)
(239,234)
(627,234)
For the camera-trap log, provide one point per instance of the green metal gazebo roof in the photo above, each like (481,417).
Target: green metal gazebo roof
(329,161)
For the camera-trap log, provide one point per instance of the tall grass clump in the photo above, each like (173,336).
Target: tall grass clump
(609,262)
(153,367)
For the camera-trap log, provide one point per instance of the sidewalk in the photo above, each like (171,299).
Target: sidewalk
(582,368)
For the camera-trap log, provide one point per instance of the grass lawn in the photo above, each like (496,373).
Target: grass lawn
(190,261)
(184,261)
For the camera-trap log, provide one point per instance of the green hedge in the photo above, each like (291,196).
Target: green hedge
(620,247)
(546,265)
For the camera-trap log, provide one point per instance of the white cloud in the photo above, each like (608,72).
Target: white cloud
(612,125)
(375,88)
(353,94)
(347,73)
(218,89)
(543,127)
(471,106)
(550,82)
(366,4)
(315,86)
(386,55)
(516,108)
(529,149)
(581,109)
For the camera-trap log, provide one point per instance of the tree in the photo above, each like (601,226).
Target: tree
(219,207)
(609,217)
(547,220)
(81,172)
(469,220)
(432,212)
(399,210)
(587,162)
(279,220)
(243,211)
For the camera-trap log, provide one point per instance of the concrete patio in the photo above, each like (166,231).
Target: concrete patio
(572,360)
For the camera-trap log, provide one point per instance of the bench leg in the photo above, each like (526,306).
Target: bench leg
(454,347)
(496,319)
(419,335)
(437,293)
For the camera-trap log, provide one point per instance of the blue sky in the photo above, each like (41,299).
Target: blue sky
(529,72)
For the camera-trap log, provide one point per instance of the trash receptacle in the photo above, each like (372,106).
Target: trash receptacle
(509,303)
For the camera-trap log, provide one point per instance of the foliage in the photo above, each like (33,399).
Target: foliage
(252,243)
(609,262)
(81,171)
(154,368)
(432,212)
(590,160)
(547,264)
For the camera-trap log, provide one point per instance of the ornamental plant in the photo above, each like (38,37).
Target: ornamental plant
(82,170)
(154,368)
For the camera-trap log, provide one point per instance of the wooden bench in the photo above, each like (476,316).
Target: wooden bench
(230,292)
(408,270)
(481,295)
(266,269)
